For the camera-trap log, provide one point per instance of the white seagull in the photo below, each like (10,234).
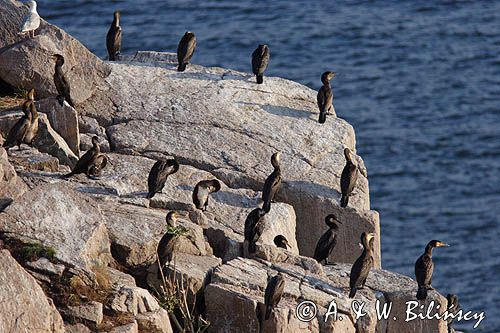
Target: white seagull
(31,21)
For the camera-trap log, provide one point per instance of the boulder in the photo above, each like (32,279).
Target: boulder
(133,300)
(30,159)
(44,265)
(27,63)
(23,304)
(64,120)
(90,312)
(77,328)
(154,322)
(59,217)
(11,186)
(129,328)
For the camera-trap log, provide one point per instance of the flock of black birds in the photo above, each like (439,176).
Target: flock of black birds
(93,162)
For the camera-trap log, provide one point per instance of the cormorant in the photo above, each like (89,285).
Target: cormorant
(260,59)
(185,50)
(33,128)
(159,174)
(424,268)
(18,132)
(95,169)
(362,266)
(348,178)
(87,161)
(325,96)
(281,241)
(273,182)
(62,85)
(274,291)
(202,191)
(114,38)
(452,307)
(254,227)
(328,240)
(166,245)
(31,20)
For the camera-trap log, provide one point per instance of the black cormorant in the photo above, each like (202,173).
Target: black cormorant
(362,265)
(185,50)
(281,241)
(424,268)
(348,178)
(166,246)
(33,128)
(114,38)
(274,291)
(273,182)
(17,133)
(254,227)
(95,169)
(328,240)
(159,174)
(87,161)
(325,96)
(260,60)
(202,191)
(62,85)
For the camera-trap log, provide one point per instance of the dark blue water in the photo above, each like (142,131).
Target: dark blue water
(419,80)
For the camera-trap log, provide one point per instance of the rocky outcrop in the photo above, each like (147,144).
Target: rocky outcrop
(27,63)
(11,186)
(23,304)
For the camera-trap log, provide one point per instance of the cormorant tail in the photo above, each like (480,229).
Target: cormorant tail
(252,247)
(344,201)
(67,175)
(260,79)
(181,67)
(322,117)
(267,206)
(422,293)
(150,195)
(352,293)
(268,311)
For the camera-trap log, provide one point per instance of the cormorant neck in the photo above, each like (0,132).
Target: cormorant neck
(116,21)
(33,111)
(428,250)
(33,7)
(326,83)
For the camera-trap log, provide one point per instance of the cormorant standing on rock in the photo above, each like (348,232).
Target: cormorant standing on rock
(272,183)
(62,85)
(90,162)
(260,60)
(33,128)
(325,96)
(166,245)
(31,20)
(95,169)
(281,241)
(254,227)
(202,192)
(424,268)
(273,293)
(348,178)
(362,266)
(114,38)
(185,50)
(328,240)
(18,132)
(159,174)
(452,307)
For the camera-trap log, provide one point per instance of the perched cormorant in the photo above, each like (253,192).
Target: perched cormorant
(114,38)
(185,50)
(159,174)
(95,169)
(254,227)
(260,60)
(18,132)
(166,246)
(452,307)
(348,178)
(325,96)
(62,85)
(424,268)
(328,240)
(202,191)
(33,128)
(362,265)
(31,20)
(281,241)
(273,182)
(274,291)
(88,160)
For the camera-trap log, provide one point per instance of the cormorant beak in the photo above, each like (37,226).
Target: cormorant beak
(287,245)
(440,244)
(340,222)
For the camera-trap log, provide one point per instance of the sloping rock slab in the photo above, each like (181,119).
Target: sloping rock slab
(23,304)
